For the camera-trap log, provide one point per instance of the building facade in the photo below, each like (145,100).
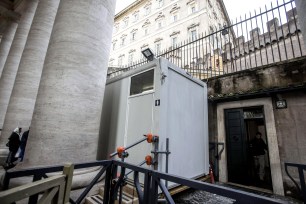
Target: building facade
(161,25)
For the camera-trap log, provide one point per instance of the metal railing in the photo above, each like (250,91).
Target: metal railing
(55,189)
(271,35)
(301,169)
(216,153)
(148,194)
(41,173)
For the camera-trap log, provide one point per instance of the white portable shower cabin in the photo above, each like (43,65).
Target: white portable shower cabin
(161,99)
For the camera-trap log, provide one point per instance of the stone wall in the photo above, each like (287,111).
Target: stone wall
(290,128)
(280,75)
(283,80)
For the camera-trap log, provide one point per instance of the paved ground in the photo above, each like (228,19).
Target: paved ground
(197,197)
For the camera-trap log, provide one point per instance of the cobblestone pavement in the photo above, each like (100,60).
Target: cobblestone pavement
(197,197)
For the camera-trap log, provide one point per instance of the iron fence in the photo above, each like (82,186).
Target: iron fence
(301,168)
(263,37)
(148,194)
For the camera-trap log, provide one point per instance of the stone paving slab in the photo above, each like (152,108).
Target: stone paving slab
(196,197)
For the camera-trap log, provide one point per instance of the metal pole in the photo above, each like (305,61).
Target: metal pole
(128,147)
(167,159)
(156,155)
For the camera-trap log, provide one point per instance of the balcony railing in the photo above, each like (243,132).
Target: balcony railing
(267,36)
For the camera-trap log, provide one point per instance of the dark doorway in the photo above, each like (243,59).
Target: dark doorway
(242,124)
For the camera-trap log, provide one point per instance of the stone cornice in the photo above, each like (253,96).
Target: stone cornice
(160,16)
(190,2)
(135,12)
(148,4)
(193,25)
(158,39)
(174,8)
(175,33)
(146,23)
(144,45)
(131,6)
(132,50)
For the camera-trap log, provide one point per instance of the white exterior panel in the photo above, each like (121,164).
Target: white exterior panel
(181,117)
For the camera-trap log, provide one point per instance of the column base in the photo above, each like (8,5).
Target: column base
(3,155)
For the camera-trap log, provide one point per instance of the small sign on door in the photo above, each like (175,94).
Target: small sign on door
(157,102)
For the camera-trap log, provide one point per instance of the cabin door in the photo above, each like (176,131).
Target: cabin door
(140,115)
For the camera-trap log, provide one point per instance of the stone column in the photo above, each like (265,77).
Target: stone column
(301,8)
(6,42)
(22,101)
(66,119)
(13,59)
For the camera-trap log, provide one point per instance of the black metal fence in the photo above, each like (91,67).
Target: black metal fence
(148,194)
(263,37)
(301,169)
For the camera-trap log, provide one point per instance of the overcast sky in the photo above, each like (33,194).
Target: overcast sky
(235,8)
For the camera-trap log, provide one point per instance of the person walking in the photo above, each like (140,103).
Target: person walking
(13,145)
(258,147)
(23,144)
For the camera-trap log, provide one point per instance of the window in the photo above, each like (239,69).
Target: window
(125,22)
(160,3)
(146,31)
(133,36)
(174,41)
(193,9)
(114,45)
(159,24)
(215,15)
(116,28)
(122,41)
(131,56)
(136,16)
(157,48)
(120,60)
(193,35)
(160,20)
(111,63)
(174,17)
(147,10)
(142,83)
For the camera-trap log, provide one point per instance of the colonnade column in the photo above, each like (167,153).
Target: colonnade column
(10,68)
(22,101)
(6,42)
(66,119)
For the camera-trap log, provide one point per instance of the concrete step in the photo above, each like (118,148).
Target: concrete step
(96,199)
(127,189)
(127,196)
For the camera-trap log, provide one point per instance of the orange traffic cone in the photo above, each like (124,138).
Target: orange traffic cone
(211,174)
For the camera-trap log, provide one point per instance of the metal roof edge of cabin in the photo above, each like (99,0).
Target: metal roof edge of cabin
(154,64)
